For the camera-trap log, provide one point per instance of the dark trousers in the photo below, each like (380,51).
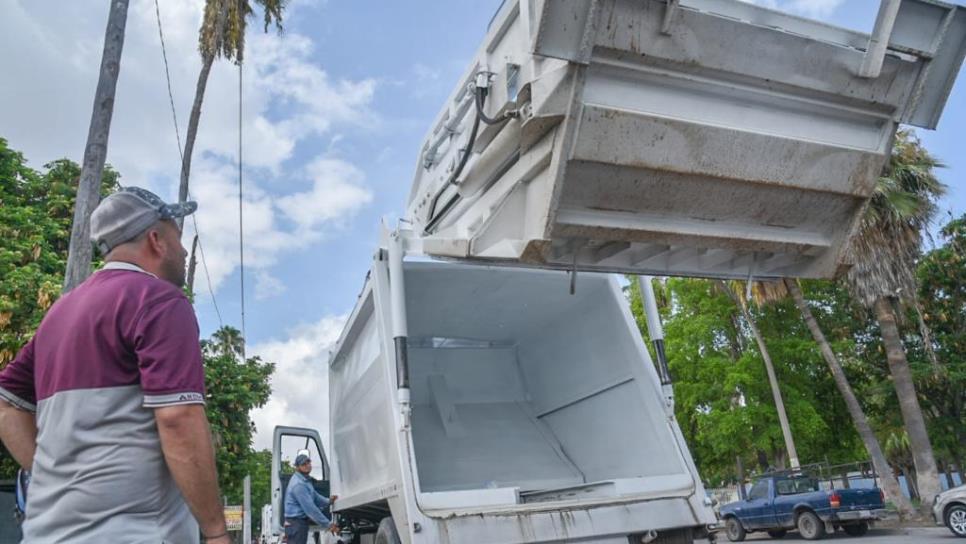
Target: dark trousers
(296,530)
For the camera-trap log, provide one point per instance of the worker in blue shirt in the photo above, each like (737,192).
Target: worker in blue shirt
(303,505)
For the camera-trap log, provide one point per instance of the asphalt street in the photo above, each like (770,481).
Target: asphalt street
(919,535)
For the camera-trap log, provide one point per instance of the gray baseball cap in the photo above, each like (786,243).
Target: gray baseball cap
(123,215)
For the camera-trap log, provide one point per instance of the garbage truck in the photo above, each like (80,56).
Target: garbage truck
(490,385)
(483,404)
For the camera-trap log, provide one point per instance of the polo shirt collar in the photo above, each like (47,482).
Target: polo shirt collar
(120,265)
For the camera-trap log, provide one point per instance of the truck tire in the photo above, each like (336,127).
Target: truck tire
(778,533)
(387,533)
(956,520)
(810,526)
(856,529)
(736,533)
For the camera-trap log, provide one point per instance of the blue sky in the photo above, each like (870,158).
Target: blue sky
(336,110)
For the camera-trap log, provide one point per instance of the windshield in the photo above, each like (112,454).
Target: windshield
(792,486)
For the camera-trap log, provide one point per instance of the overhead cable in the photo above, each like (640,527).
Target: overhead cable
(177,134)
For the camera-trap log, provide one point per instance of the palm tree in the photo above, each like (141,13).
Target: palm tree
(884,254)
(228,341)
(222,34)
(95,152)
(769,368)
(890,484)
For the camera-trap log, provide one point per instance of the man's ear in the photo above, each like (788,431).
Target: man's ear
(156,241)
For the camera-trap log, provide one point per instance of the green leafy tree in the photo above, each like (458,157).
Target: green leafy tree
(724,403)
(833,354)
(235,388)
(942,290)
(36,211)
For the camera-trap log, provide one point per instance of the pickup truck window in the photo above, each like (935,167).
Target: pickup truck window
(759,490)
(792,486)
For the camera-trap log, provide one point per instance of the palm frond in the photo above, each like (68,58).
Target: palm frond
(885,250)
(223,26)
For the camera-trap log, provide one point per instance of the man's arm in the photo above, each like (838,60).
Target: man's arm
(304,494)
(190,456)
(18,431)
(320,501)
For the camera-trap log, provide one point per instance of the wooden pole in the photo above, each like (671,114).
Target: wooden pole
(95,152)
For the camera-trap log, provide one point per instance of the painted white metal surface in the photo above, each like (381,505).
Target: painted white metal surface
(700,137)
(536,414)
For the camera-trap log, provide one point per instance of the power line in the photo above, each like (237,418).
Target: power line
(177,134)
(241,222)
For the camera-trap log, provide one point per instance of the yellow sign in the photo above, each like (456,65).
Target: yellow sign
(234,517)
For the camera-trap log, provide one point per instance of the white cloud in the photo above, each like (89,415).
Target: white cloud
(300,385)
(274,223)
(267,286)
(337,191)
(816,9)
(288,98)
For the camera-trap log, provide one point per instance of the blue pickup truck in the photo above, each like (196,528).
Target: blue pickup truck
(778,504)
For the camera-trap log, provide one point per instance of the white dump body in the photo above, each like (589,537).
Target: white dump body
(537,415)
(692,137)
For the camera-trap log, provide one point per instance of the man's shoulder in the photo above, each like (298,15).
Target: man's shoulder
(120,292)
(144,287)
(302,481)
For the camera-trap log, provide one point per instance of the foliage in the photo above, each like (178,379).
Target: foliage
(236,386)
(37,210)
(723,401)
(942,290)
(884,250)
(223,26)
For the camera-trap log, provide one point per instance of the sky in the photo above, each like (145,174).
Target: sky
(334,112)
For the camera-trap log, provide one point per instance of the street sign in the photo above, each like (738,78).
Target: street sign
(234,518)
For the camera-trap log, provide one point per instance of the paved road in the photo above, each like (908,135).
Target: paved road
(917,535)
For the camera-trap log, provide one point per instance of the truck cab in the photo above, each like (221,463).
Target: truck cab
(287,443)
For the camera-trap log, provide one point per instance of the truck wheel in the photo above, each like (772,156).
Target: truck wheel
(736,533)
(387,533)
(856,529)
(778,533)
(809,526)
(956,520)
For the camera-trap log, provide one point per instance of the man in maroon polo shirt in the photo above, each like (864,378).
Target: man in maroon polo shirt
(105,405)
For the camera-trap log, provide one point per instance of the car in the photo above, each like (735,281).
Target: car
(949,509)
(778,504)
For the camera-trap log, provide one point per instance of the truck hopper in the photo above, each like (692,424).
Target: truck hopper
(694,137)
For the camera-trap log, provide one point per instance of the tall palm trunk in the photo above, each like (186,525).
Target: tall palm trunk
(95,152)
(926,472)
(889,482)
(772,377)
(193,120)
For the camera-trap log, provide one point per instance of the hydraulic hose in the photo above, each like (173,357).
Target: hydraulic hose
(430,217)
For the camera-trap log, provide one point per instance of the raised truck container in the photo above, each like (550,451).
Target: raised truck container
(488,405)
(676,137)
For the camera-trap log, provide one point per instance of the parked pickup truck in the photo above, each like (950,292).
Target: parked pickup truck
(777,504)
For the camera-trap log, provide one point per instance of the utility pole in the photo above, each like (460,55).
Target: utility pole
(247,510)
(95,152)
